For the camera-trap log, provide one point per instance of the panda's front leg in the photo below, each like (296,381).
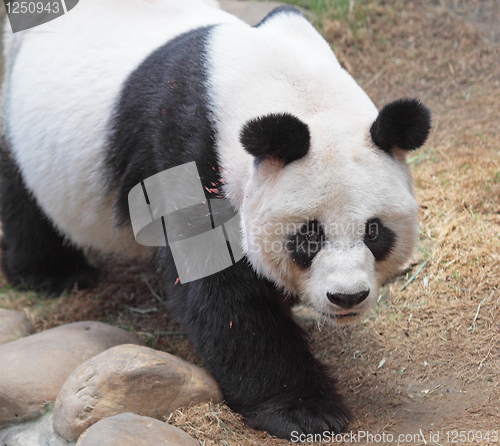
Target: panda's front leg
(258,354)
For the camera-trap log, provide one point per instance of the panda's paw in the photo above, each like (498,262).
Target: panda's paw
(84,277)
(289,421)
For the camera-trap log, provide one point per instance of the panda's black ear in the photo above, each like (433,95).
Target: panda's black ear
(280,136)
(404,123)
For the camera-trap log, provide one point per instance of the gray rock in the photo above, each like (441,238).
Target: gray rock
(129,429)
(250,12)
(14,325)
(129,378)
(34,368)
(35,433)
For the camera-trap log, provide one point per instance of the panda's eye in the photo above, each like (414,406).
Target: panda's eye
(306,243)
(379,239)
(372,230)
(313,237)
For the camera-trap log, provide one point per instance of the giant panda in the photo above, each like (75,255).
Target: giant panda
(117,91)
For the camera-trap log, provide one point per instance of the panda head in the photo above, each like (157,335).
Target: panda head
(329,211)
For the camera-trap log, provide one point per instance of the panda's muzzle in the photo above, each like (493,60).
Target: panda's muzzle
(347,300)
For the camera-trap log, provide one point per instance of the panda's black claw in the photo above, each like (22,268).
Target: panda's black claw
(86,276)
(312,417)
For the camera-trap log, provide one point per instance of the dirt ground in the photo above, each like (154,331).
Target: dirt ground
(427,361)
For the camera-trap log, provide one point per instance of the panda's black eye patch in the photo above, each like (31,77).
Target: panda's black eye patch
(306,243)
(379,239)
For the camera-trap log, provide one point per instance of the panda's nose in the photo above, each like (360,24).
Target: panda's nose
(347,300)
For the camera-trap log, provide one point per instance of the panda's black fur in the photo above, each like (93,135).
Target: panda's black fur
(236,318)
(34,254)
(404,123)
(162,119)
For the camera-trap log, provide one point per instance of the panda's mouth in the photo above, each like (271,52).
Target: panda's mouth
(344,316)
(341,316)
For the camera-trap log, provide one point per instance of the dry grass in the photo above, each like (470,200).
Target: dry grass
(429,357)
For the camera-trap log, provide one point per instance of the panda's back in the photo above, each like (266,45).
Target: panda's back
(74,87)
(57,121)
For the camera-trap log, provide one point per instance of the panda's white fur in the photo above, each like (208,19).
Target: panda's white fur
(64,85)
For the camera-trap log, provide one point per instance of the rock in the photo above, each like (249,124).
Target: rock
(36,433)
(33,369)
(14,325)
(250,12)
(129,429)
(129,378)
